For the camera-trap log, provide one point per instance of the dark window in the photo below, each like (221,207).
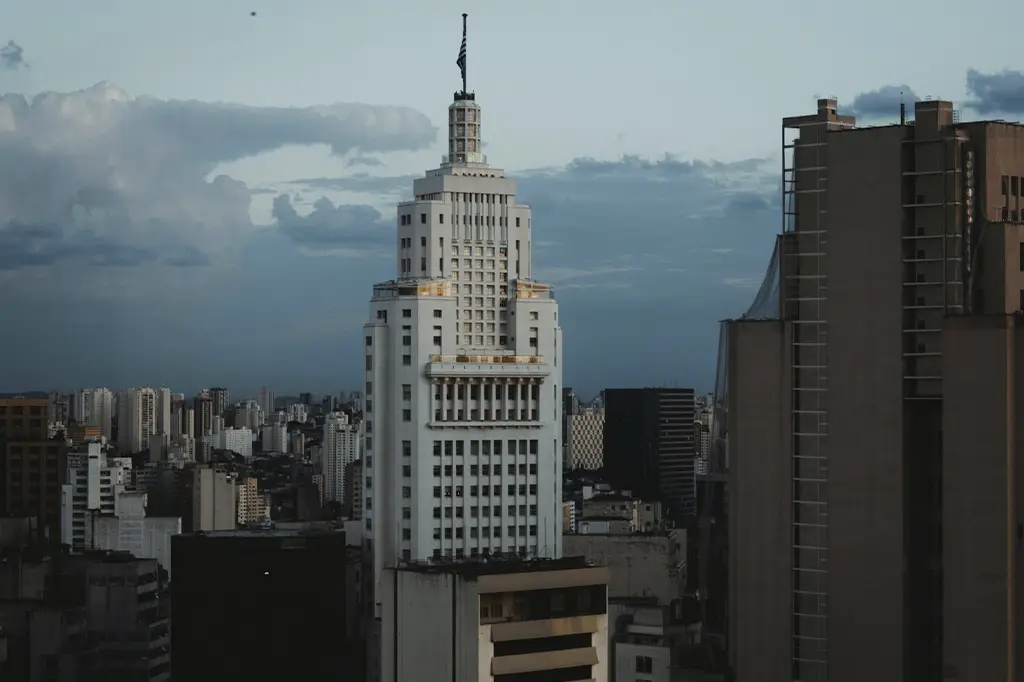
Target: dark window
(406,360)
(406,312)
(423,218)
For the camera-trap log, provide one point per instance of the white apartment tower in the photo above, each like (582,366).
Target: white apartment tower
(462,403)
(340,448)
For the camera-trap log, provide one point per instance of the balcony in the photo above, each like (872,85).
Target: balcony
(505,366)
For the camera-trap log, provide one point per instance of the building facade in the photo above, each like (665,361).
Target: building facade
(462,400)
(873,437)
(339,448)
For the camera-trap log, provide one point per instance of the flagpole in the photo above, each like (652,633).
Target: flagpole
(465,59)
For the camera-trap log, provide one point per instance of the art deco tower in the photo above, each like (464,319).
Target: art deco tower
(462,402)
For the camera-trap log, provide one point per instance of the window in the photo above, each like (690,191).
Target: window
(406,340)
(406,534)
(1020,258)
(406,312)
(406,391)
(369,340)
(423,241)
(369,388)
(407,415)
(437,314)
(423,218)
(437,491)
(517,221)
(645,664)
(369,363)
(406,360)
(406,513)
(407,471)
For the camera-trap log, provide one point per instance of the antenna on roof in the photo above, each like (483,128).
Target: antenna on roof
(903,110)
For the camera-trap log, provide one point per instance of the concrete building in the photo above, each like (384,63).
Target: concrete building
(650,447)
(95,407)
(354,489)
(136,419)
(235,440)
(94,483)
(586,439)
(275,438)
(214,500)
(252,505)
(267,401)
(499,619)
(462,402)
(129,530)
(340,447)
(651,566)
(872,410)
(287,584)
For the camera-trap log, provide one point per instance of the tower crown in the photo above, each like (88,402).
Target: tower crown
(464,142)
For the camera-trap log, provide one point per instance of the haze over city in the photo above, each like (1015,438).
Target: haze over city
(182,201)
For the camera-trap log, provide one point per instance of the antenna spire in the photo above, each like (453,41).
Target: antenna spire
(461,61)
(903,110)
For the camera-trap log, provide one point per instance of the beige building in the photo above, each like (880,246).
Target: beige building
(873,419)
(252,506)
(495,620)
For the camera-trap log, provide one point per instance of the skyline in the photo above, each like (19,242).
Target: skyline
(120,241)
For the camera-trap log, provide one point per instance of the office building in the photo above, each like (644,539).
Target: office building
(32,467)
(267,401)
(288,585)
(650,448)
(872,409)
(586,439)
(474,621)
(219,396)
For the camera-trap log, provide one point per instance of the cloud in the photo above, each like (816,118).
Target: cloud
(369,161)
(12,56)
(883,102)
(346,228)
(996,93)
(95,177)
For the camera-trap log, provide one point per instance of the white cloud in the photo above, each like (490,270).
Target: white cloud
(99,178)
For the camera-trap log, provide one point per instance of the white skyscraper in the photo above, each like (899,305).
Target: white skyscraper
(95,407)
(462,401)
(339,449)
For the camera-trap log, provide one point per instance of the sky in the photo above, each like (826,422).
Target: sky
(191,195)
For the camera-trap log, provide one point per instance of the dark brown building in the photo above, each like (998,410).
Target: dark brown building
(32,467)
(875,497)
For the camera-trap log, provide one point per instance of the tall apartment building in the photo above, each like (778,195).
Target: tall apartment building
(462,400)
(873,420)
(163,410)
(340,447)
(95,407)
(214,500)
(136,419)
(266,400)
(219,396)
(32,467)
(650,446)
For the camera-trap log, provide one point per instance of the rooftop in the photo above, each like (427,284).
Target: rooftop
(264,533)
(500,565)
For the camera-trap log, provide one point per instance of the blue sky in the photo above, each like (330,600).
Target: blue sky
(190,205)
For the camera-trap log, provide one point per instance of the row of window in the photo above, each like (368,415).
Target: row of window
(474,512)
(406,219)
(486,532)
(458,490)
(473,552)
(485,447)
(1012,185)
(485,469)
(498,392)
(486,415)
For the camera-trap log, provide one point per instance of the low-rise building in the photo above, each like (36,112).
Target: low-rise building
(472,621)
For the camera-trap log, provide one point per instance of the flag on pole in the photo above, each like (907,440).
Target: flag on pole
(461,61)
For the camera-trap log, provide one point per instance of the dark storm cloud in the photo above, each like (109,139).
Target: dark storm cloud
(883,102)
(97,169)
(996,93)
(329,227)
(12,56)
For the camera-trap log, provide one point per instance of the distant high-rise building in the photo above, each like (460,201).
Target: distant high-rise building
(59,408)
(267,400)
(873,402)
(649,446)
(164,403)
(136,419)
(219,397)
(340,447)
(94,483)
(95,407)
(586,439)
(306,399)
